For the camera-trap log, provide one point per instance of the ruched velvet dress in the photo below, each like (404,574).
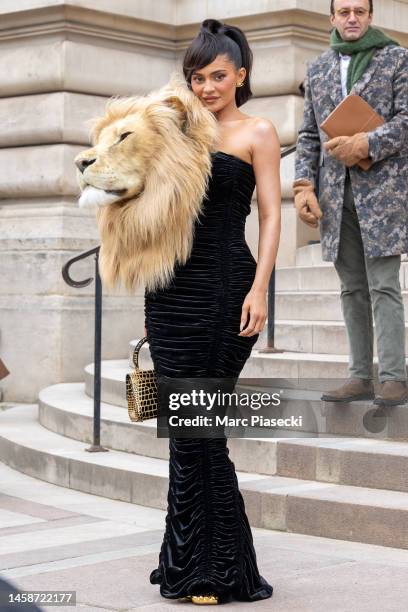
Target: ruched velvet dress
(192,328)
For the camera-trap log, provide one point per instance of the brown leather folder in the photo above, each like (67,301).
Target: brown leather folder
(351,116)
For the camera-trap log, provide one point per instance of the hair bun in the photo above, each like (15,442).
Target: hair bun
(217,38)
(213,26)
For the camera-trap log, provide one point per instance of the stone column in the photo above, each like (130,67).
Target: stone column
(59,63)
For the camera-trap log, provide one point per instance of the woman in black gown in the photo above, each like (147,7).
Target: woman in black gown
(206,321)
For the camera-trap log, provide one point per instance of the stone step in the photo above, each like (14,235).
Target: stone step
(288,358)
(65,409)
(307,278)
(296,365)
(356,419)
(292,364)
(313,305)
(311,255)
(318,278)
(325,337)
(344,512)
(300,336)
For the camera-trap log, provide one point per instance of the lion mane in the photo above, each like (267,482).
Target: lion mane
(167,165)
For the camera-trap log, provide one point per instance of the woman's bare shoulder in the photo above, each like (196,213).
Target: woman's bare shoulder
(262,126)
(264,136)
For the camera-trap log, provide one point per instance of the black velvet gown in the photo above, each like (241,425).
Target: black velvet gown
(192,328)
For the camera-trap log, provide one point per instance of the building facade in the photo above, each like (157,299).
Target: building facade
(60,60)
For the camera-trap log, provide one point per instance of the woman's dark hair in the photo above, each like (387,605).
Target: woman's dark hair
(332,7)
(216,38)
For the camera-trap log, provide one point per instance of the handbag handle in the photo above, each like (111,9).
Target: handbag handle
(136,351)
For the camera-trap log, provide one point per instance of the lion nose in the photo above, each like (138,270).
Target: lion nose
(82,164)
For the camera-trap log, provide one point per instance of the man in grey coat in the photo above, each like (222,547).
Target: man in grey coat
(362,213)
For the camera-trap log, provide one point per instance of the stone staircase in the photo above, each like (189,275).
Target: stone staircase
(309,325)
(350,484)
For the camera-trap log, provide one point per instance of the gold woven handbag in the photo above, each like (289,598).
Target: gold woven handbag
(141,390)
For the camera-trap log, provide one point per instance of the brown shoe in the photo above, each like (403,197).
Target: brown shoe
(355,389)
(393,393)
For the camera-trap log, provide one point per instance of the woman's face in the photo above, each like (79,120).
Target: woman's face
(215,84)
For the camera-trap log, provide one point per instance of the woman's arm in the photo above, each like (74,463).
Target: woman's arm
(266,164)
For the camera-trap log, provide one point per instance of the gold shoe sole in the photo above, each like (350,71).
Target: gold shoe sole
(204,600)
(200,600)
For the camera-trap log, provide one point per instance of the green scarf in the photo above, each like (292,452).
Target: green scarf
(361,50)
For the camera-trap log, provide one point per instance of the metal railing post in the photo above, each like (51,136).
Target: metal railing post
(98,358)
(271,311)
(96,446)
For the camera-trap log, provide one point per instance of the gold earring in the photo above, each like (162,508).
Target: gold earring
(240,84)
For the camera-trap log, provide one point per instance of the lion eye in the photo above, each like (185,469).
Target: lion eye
(124,135)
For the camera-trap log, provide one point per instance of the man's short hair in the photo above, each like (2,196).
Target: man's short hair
(332,7)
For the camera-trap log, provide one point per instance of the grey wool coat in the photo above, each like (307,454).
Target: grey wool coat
(380,193)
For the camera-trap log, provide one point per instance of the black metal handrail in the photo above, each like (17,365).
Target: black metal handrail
(96,446)
(288,151)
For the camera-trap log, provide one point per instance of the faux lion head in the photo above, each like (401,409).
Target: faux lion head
(147,172)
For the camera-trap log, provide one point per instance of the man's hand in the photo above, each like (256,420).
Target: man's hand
(348,149)
(306,203)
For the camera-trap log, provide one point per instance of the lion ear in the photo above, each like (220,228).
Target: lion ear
(175,102)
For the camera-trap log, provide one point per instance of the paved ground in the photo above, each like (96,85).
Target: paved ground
(52,538)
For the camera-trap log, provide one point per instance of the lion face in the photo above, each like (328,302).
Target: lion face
(115,168)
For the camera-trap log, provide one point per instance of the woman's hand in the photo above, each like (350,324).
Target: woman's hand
(254,311)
